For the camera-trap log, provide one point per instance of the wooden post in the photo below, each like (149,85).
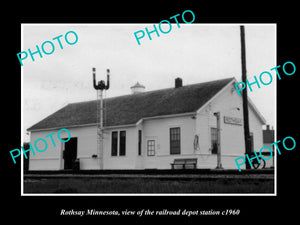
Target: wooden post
(245,97)
(219,162)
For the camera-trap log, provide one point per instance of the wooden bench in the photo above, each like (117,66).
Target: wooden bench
(185,163)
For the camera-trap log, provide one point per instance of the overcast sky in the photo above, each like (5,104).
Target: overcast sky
(194,52)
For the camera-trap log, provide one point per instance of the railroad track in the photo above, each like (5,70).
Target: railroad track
(161,175)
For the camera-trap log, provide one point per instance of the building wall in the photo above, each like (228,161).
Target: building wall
(52,159)
(154,129)
(229,104)
(128,161)
(159,130)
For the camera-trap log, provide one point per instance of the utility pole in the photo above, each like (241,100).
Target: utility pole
(245,97)
(100,130)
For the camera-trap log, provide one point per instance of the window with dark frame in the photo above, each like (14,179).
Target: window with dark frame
(214,140)
(175,140)
(114,143)
(140,142)
(122,150)
(150,147)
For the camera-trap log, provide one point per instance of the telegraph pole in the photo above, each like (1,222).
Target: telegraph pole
(245,97)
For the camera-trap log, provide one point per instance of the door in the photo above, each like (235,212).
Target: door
(70,153)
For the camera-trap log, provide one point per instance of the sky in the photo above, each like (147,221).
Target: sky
(194,52)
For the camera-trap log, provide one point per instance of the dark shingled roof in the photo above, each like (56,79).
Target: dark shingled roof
(129,109)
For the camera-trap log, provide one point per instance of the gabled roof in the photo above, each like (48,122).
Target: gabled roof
(129,109)
(138,85)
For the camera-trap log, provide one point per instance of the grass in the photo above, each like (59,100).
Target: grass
(138,185)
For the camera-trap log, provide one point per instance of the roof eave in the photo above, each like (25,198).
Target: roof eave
(251,104)
(118,126)
(216,95)
(165,116)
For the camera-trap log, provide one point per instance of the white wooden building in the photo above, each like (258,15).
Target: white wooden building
(148,130)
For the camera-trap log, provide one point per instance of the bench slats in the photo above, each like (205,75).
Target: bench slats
(185,163)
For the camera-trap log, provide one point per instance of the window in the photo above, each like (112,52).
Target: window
(175,140)
(122,143)
(114,143)
(140,142)
(150,147)
(214,140)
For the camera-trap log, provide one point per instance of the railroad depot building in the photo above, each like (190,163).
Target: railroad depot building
(149,130)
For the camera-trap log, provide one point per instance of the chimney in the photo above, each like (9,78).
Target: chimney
(268,127)
(137,88)
(178,82)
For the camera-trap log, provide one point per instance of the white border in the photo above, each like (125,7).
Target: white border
(152,194)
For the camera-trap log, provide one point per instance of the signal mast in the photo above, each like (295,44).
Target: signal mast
(100,87)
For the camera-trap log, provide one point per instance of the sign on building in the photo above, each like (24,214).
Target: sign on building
(233,120)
